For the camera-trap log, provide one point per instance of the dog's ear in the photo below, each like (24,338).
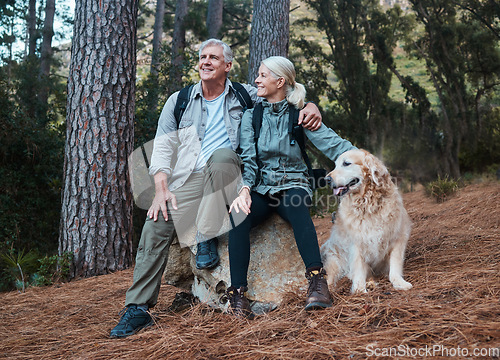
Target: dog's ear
(376,169)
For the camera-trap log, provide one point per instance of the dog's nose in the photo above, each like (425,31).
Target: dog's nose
(329,181)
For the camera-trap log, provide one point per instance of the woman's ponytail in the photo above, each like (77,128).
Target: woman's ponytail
(296,95)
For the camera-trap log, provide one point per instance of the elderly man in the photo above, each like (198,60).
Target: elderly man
(194,165)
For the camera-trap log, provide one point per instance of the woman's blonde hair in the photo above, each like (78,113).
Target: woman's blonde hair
(281,67)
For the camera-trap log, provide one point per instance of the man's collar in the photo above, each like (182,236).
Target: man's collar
(198,89)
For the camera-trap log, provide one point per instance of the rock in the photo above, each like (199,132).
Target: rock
(275,267)
(182,301)
(178,270)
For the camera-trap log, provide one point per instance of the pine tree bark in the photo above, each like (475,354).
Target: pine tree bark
(46,52)
(178,45)
(214,18)
(96,216)
(157,35)
(32,36)
(270,33)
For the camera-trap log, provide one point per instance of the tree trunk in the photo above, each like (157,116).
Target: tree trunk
(152,95)
(96,216)
(157,35)
(214,18)
(10,50)
(46,53)
(270,33)
(178,45)
(32,28)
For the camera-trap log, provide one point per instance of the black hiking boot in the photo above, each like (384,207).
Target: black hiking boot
(133,319)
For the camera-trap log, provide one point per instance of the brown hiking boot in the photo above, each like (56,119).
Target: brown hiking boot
(318,295)
(239,304)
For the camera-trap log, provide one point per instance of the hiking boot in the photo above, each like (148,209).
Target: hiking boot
(132,320)
(206,254)
(318,295)
(239,304)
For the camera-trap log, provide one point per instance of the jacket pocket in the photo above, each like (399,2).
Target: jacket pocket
(185,122)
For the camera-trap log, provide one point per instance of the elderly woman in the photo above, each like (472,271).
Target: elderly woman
(275,178)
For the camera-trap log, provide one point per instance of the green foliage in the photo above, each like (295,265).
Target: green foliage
(313,72)
(449,74)
(18,267)
(362,39)
(153,91)
(442,188)
(52,269)
(461,51)
(485,149)
(9,32)
(31,159)
(29,269)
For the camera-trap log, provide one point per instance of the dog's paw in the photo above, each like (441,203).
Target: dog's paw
(371,284)
(401,285)
(358,289)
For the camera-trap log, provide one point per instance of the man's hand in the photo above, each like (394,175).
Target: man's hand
(310,117)
(243,202)
(160,203)
(162,196)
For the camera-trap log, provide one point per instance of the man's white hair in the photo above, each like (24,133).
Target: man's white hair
(226,49)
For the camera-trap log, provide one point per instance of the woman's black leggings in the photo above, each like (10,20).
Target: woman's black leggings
(293,206)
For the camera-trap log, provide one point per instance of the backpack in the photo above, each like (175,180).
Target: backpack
(296,132)
(185,95)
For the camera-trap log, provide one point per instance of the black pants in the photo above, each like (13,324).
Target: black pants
(293,206)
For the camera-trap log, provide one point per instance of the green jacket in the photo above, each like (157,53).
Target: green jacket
(281,165)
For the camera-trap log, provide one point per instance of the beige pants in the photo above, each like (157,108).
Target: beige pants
(202,201)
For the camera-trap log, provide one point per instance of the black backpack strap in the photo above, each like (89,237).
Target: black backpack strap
(297,135)
(182,102)
(243,96)
(258,111)
(257,121)
(296,132)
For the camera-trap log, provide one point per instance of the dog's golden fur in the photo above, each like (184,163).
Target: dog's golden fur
(371,227)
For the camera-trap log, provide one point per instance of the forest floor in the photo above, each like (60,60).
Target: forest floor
(453,310)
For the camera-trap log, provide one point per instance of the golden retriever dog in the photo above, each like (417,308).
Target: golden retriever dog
(371,227)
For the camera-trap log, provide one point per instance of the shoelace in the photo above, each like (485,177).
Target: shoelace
(314,284)
(126,314)
(204,248)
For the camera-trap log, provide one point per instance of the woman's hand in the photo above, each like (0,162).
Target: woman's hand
(242,202)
